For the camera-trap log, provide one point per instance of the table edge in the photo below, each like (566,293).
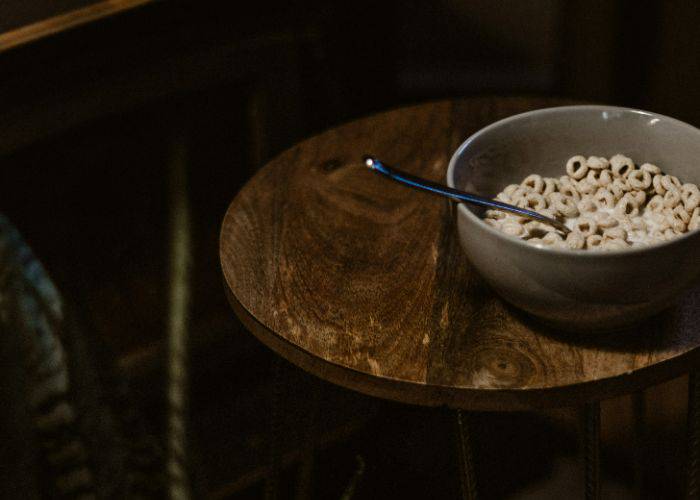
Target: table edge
(426,394)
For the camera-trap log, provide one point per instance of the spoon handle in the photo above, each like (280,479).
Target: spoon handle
(452,193)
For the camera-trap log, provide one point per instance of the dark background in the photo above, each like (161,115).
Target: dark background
(91,119)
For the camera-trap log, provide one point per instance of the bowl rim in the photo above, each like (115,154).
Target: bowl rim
(461,207)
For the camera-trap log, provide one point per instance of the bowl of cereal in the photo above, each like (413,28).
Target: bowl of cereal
(623,180)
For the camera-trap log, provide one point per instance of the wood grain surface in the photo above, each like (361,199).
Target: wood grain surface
(363,282)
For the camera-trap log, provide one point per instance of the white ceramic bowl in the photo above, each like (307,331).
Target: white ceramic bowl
(576,289)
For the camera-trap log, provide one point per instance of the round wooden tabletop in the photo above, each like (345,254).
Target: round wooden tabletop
(363,282)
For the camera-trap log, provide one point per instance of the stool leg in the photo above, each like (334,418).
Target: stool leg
(466,467)
(178,322)
(592,449)
(693,487)
(640,441)
(271,485)
(304,486)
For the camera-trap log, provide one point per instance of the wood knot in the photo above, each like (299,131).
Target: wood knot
(331,165)
(500,367)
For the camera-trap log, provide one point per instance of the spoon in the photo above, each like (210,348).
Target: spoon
(455,194)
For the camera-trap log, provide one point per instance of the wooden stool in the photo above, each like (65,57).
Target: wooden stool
(363,283)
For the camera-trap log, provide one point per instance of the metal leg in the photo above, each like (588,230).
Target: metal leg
(304,485)
(640,440)
(351,488)
(466,467)
(271,485)
(178,319)
(592,450)
(693,488)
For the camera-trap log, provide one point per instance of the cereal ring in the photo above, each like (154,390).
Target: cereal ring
(585,187)
(586,226)
(639,196)
(551,197)
(674,222)
(656,204)
(615,233)
(694,220)
(605,220)
(552,239)
(571,192)
(550,185)
(605,178)
(670,182)
(618,188)
(518,194)
(494,223)
(587,204)
(597,163)
(659,220)
(537,242)
(614,244)
(672,198)
(627,206)
(656,235)
(565,180)
(638,224)
(564,205)
(681,213)
(690,195)
(669,234)
(621,165)
(534,182)
(639,179)
(658,186)
(594,241)
(503,197)
(495,214)
(651,168)
(575,241)
(604,199)
(510,189)
(593,176)
(577,167)
(512,228)
(534,201)
(599,177)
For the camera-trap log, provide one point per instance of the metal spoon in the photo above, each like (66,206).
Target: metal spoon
(455,194)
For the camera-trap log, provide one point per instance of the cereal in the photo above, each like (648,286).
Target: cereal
(607,205)
(575,241)
(658,187)
(550,186)
(627,207)
(639,179)
(621,165)
(694,220)
(576,167)
(604,199)
(597,162)
(690,194)
(587,204)
(534,182)
(672,198)
(651,168)
(585,226)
